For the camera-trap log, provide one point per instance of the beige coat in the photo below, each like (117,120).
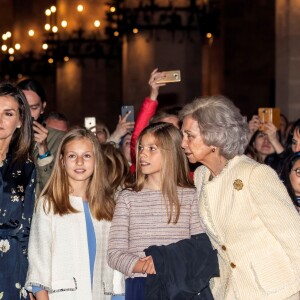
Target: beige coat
(251,221)
(59,259)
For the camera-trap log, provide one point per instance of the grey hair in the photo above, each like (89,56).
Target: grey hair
(221,124)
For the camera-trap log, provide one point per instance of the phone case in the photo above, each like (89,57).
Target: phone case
(125,109)
(170,76)
(269,114)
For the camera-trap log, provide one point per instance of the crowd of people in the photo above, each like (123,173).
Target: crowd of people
(89,214)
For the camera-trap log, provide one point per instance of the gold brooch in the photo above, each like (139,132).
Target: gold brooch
(238,184)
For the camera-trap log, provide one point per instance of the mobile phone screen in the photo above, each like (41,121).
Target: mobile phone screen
(125,110)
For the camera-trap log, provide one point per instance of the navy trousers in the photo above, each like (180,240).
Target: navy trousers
(135,288)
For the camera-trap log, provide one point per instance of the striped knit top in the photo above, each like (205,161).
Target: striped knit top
(140,220)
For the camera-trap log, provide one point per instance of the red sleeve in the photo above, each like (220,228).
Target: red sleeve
(147,111)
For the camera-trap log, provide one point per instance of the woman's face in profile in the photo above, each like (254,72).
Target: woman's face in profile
(193,144)
(294,178)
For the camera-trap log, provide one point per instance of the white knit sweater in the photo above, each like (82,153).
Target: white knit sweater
(251,221)
(59,257)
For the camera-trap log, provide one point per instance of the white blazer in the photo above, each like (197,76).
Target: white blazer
(59,258)
(251,221)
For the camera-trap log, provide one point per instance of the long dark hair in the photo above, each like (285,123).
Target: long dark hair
(21,139)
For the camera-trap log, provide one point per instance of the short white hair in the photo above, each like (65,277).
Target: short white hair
(220,122)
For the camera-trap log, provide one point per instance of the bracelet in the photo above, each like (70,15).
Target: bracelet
(46,154)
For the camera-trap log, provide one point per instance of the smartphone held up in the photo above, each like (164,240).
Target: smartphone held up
(269,114)
(170,76)
(126,109)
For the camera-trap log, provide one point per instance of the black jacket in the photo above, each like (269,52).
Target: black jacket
(183,270)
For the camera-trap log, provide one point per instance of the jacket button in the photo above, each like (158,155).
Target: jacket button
(232,265)
(224,247)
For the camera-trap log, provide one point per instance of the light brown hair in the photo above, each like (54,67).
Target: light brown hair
(99,194)
(118,172)
(174,171)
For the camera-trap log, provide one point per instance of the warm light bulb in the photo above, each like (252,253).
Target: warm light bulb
(64,23)
(48,12)
(4,37)
(112,9)
(11,50)
(209,35)
(54,29)
(45,46)
(31,32)
(20,76)
(47,27)
(53,9)
(116,33)
(4,48)
(135,30)
(11,58)
(50,60)
(80,8)
(66,58)
(97,23)
(8,34)
(17,46)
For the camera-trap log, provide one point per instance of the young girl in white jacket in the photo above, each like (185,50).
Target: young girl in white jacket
(68,240)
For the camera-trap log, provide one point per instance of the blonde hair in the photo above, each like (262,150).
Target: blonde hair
(174,171)
(57,189)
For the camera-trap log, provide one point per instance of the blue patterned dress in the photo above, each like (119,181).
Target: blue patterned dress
(17,183)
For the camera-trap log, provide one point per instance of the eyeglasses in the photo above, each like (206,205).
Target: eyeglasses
(297,170)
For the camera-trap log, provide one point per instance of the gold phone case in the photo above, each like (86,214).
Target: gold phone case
(269,114)
(170,76)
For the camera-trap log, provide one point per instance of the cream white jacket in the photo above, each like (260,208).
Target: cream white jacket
(59,257)
(251,221)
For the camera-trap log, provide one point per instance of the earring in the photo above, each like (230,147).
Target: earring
(213,149)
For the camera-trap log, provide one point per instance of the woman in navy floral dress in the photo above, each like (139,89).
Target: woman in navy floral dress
(17,182)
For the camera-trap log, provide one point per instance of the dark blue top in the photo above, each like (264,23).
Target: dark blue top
(17,198)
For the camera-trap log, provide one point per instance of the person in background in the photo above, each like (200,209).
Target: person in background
(259,147)
(276,161)
(291,178)
(124,146)
(160,208)
(17,197)
(45,140)
(245,208)
(123,127)
(118,173)
(57,121)
(70,226)
(284,124)
(101,131)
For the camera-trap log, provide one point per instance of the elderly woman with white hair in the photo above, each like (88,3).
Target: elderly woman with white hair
(245,209)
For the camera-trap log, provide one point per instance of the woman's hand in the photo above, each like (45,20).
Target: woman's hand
(40,134)
(154,86)
(42,295)
(122,128)
(253,125)
(271,131)
(148,266)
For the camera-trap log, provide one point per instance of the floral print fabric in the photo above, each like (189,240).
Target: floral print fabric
(17,183)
